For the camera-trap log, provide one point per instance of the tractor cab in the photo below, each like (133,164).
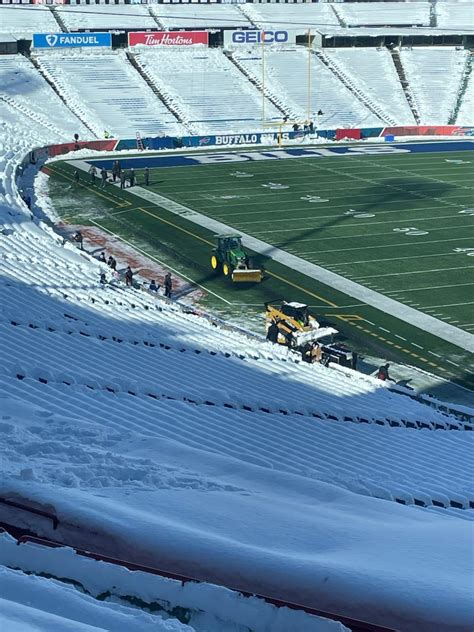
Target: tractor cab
(231,244)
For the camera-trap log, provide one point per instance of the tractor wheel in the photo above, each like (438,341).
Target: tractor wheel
(214,263)
(226,269)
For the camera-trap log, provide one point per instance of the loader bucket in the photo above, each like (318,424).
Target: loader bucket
(247,276)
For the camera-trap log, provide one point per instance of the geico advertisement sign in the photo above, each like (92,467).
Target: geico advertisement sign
(69,40)
(168,38)
(237,38)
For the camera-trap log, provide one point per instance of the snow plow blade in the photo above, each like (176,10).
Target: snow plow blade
(247,276)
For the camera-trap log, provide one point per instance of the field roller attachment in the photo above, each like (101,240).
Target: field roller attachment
(230,258)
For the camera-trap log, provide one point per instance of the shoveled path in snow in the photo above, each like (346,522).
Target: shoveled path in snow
(427,323)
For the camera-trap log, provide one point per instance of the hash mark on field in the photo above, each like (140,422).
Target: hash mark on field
(453,363)
(417,346)
(401,337)
(386,330)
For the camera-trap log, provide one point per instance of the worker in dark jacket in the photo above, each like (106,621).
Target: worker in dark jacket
(129,276)
(382,373)
(168,285)
(272,333)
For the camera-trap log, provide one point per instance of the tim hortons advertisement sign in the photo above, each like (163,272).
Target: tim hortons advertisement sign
(168,38)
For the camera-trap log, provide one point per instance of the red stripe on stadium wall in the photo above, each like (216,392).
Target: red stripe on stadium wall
(98,145)
(424,130)
(348,133)
(168,38)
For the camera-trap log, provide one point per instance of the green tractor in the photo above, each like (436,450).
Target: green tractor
(230,257)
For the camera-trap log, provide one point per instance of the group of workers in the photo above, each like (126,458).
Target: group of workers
(117,173)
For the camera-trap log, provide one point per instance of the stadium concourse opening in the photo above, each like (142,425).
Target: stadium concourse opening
(376,239)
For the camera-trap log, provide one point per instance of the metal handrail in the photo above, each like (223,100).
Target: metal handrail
(38,512)
(355,625)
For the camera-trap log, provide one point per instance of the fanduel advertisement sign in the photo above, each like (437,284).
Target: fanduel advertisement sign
(70,40)
(249,38)
(168,38)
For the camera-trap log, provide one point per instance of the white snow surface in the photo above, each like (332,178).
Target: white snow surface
(466,110)
(287,77)
(187,16)
(384,13)
(455,14)
(158,436)
(434,76)
(23,20)
(108,93)
(36,604)
(105,17)
(209,92)
(208,608)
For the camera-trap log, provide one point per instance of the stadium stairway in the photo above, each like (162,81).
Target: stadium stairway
(157,89)
(405,85)
(465,98)
(57,16)
(278,102)
(335,65)
(53,86)
(434,79)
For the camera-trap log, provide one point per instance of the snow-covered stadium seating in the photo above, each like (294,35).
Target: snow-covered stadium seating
(455,15)
(466,110)
(107,92)
(202,16)
(24,20)
(434,76)
(287,78)
(156,433)
(28,93)
(92,16)
(300,17)
(210,93)
(373,72)
(384,13)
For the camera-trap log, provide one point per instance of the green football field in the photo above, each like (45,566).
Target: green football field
(398,224)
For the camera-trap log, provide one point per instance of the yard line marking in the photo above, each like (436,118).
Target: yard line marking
(429,287)
(451,305)
(335,227)
(375,276)
(404,243)
(439,254)
(390,167)
(326,207)
(343,215)
(453,363)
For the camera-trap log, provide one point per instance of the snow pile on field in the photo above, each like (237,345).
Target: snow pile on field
(103,594)
(156,435)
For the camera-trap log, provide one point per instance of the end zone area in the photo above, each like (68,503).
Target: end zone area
(379,239)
